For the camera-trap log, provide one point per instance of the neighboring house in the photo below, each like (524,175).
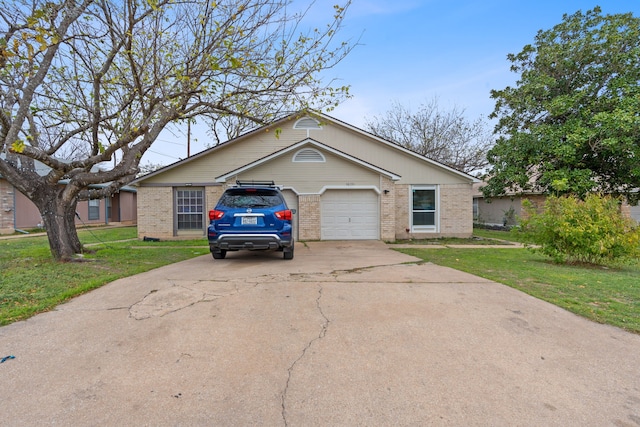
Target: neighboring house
(500,211)
(343,182)
(634,212)
(506,210)
(17,212)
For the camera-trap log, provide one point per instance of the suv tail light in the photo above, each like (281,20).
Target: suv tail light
(214,214)
(284,215)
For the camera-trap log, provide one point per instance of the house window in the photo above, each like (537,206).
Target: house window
(107,202)
(475,209)
(190,209)
(308,155)
(94,209)
(424,208)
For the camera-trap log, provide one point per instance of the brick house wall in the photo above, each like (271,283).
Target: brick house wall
(156,216)
(387,210)
(456,215)
(309,217)
(402,212)
(155,212)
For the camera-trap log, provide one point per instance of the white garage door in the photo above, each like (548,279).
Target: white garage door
(349,215)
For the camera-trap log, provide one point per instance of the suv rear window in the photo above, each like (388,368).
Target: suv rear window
(250,198)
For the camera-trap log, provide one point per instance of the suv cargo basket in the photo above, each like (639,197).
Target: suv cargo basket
(255,183)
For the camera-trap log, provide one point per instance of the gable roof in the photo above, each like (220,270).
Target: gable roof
(305,142)
(323,118)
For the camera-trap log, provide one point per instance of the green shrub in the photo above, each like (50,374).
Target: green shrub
(571,230)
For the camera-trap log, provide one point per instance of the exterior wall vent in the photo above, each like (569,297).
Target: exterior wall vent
(309,155)
(307,123)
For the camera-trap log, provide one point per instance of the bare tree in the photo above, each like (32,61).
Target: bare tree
(445,136)
(83,82)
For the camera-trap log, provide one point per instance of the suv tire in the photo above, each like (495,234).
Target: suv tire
(287,253)
(219,253)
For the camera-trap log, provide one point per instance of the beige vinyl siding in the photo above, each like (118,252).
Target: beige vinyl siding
(205,168)
(311,177)
(411,168)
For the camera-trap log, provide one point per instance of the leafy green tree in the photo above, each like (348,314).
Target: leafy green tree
(593,230)
(91,81)
(570,125)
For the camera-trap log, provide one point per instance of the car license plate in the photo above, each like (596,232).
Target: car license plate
(249,220)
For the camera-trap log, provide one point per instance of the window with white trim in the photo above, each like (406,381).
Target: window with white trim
(424,208)
(190,209)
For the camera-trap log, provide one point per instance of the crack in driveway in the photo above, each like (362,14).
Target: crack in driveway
(160,302)
(323,332)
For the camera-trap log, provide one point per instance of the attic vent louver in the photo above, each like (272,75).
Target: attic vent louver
(308,155)
(307,123)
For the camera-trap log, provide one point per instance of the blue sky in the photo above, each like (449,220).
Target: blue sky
(411,51)
(414,50)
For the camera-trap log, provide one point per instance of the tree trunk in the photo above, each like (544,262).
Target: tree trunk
(58,214)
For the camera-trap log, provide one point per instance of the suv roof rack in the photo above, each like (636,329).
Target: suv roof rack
(254,183)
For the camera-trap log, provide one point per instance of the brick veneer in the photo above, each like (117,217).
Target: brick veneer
(387,210)
(155,212)
(309,217)
(456,214)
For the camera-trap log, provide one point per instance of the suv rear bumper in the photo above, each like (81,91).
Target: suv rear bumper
(233,242)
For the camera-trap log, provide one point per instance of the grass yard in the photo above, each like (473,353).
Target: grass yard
(605,295)
(32,282)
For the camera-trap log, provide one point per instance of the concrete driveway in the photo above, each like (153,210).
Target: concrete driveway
(346,334)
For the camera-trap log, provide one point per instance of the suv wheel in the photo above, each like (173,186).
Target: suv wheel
(287,253)
(219,253)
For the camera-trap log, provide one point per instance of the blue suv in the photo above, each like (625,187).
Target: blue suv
(252,215)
